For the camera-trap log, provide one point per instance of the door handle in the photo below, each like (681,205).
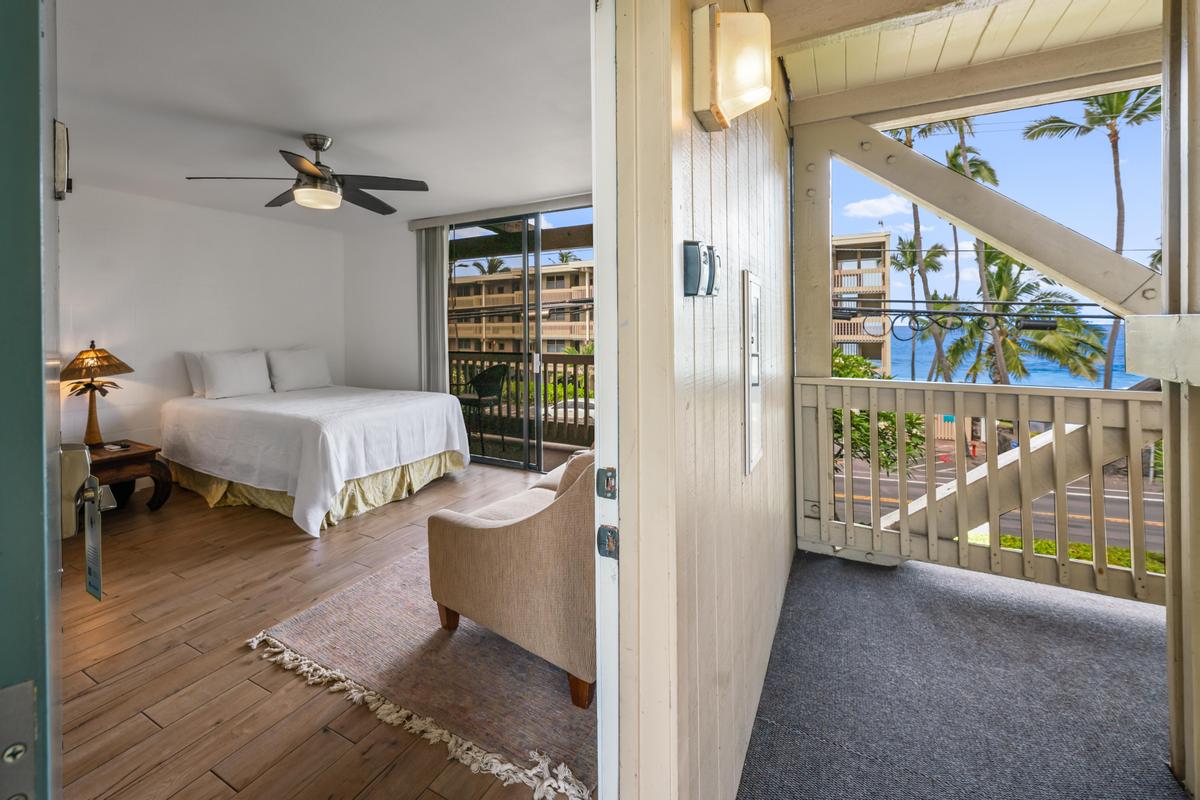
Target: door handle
(81,495)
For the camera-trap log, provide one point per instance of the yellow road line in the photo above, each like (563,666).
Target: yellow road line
(867,498)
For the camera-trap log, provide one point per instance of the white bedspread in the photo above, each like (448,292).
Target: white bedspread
(308,443)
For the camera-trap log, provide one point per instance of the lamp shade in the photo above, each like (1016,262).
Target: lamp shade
(94,362)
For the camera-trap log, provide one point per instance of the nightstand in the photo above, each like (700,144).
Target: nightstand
(118,469)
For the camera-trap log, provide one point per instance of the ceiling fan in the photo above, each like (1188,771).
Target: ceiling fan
(318,186)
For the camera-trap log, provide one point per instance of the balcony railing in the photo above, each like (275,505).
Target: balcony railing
(567,388)
(1050,485)
(859,280)
(551,329)
(859,329)
(504,299)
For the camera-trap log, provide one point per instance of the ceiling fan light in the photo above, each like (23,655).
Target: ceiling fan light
(324,199)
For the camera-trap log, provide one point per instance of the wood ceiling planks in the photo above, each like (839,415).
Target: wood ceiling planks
(974,35)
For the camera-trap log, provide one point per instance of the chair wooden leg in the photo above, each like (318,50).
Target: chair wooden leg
(582,692)
(449,617)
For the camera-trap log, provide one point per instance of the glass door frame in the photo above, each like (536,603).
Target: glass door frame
(529,376)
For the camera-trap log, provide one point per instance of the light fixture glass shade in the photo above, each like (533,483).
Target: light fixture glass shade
(743,62)
(731,64)
(316,197)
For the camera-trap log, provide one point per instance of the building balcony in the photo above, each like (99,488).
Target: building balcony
(551,329)
(859,329)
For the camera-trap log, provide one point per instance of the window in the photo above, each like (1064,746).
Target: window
(555,345)
(556,281)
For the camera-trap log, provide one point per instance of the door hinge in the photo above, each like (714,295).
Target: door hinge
(608,541)
(18,730)
(606,483)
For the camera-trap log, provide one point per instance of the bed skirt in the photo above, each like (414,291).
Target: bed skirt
(356,497)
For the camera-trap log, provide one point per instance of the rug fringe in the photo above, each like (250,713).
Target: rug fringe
(545,782)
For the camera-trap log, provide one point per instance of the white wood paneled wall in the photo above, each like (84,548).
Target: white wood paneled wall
(734,549)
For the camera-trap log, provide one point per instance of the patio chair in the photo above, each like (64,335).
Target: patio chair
(485,391)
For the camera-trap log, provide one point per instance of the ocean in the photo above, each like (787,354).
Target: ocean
(1041,371)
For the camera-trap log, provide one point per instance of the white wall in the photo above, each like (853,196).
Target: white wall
(148,278)
(381,307)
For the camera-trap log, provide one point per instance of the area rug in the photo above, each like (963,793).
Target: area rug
(497,708)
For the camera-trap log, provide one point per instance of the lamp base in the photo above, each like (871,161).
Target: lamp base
(91,436)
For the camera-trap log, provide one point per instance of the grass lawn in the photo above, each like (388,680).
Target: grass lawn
(1080,551)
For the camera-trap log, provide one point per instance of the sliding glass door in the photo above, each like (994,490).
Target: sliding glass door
(520,336)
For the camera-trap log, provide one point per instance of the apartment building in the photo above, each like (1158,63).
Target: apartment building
(486,309)
(861,282)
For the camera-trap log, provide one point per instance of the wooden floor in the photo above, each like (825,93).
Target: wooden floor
(162,698)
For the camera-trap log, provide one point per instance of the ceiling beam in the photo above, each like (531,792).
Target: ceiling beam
(1120,284)
(1106,64)
(507,244)
(796,24)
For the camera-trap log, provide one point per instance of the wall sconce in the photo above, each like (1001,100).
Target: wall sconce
(731,64)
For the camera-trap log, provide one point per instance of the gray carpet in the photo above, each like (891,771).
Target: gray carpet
(928,682)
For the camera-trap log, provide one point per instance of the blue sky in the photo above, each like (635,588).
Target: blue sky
(1069,180)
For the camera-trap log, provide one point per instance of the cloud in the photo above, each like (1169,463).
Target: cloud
(906,228)
(876,207)
(970,275)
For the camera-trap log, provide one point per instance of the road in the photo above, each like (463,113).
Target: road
(1079,505)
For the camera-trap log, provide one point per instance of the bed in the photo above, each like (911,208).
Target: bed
(319,455)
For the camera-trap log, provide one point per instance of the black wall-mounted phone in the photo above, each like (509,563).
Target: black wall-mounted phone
(701,269)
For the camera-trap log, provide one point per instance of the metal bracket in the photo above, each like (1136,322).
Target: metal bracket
(606,483)
(608,541)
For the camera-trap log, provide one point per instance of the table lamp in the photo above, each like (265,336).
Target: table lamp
(84,369)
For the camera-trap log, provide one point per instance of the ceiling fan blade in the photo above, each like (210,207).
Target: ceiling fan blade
(232,178)
(360,198)
(380,182)
(301,164)
(280,200)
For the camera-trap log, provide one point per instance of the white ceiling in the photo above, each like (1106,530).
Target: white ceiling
(968,33)
(488,102)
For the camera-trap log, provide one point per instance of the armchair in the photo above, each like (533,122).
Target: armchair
(523,568)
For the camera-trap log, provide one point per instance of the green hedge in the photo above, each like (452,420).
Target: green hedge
(1080,551)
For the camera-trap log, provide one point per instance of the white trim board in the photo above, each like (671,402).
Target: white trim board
(533,207)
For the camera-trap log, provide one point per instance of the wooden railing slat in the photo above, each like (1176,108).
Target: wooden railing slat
(1024,466)
(902,472)
(931,517)
(848,467)
(1096,448)
(876,468)
(993,470)
(1137,503)
(960,477)
(1062,538)
(825,463)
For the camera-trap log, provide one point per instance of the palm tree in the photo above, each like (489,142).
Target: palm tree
(905,259)
(907,136)
(963,127)
(1074,345)
(493,265)
(1107,112)
(976,168)
(567,256)
(587,349)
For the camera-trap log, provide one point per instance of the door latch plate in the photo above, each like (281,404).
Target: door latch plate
(606,483)
(608,541)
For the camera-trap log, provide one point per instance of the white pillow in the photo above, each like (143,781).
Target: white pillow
(299,368)
(234,373)
(195,373)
